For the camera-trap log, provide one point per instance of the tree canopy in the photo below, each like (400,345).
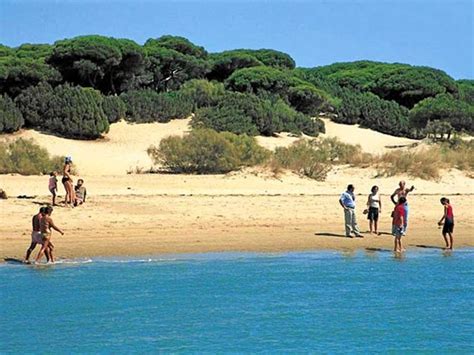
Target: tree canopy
(99,80)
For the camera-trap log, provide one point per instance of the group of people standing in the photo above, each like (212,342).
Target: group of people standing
(399,214)
(75,195)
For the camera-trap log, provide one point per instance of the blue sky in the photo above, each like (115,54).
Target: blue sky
(435,33)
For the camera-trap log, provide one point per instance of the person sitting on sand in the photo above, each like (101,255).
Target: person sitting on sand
(46,224)
(347,201)
(374,204)
(36,236)
(80,192)
(398,220)
(448,219)
(67,181)
(400,192)
(53,186)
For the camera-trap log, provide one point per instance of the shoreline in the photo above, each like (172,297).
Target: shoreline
(231,255)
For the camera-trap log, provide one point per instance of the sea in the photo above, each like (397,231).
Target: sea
(369,301)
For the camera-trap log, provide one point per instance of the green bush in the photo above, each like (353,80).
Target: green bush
(372,112)
(33,103)
(258,80)
(150,106)
(466,91)
(308,99)
(302,158)
(207,152)
(248,114)
(11,119)
(444,107)
(25,157)
(402,83)
(202,93)
(225,63)
(76,112)
(114,108)
(235,113)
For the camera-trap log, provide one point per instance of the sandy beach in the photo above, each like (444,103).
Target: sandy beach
(250,210)
(153,214)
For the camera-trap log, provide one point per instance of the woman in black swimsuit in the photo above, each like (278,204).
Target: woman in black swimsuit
(67,182)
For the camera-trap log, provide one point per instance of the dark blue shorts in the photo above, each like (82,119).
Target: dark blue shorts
(373,214)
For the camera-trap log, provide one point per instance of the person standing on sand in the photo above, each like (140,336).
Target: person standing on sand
(448,219)
(36,236)
(398,223)
(67,182)
(400,192)
(347,201)
(46,224)
(53,186)
(374,204)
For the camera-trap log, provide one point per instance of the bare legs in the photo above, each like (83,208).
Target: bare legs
(44,250)
(53,198)
(449,242)
(70,195)
(397,247)
(373,226)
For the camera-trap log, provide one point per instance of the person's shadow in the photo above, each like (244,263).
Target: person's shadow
(427,246)
(325,234)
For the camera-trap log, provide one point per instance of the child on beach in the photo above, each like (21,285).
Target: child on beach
(448,219)
(81,193)
(398,220)
(53,186)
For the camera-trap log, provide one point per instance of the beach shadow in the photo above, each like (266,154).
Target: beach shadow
(427,246)
(330,235)
(13,261)
(379,249)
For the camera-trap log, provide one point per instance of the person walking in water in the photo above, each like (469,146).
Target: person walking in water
(448,221)
(46,224)
(347,201)
(398,222)
(36,236)
(374,204)
(400,192)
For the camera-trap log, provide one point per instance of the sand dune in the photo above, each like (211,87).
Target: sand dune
(124,147)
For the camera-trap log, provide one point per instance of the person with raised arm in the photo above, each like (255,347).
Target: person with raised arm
(402,191)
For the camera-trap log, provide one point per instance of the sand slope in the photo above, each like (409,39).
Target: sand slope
(124,147)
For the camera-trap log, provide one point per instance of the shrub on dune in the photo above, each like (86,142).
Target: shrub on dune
(206,151)
(24,156)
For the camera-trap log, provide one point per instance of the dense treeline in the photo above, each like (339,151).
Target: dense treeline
(76,87)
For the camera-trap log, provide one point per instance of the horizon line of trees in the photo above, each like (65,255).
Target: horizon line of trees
(76,87)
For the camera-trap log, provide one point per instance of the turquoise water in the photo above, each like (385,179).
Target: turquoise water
(297,302)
